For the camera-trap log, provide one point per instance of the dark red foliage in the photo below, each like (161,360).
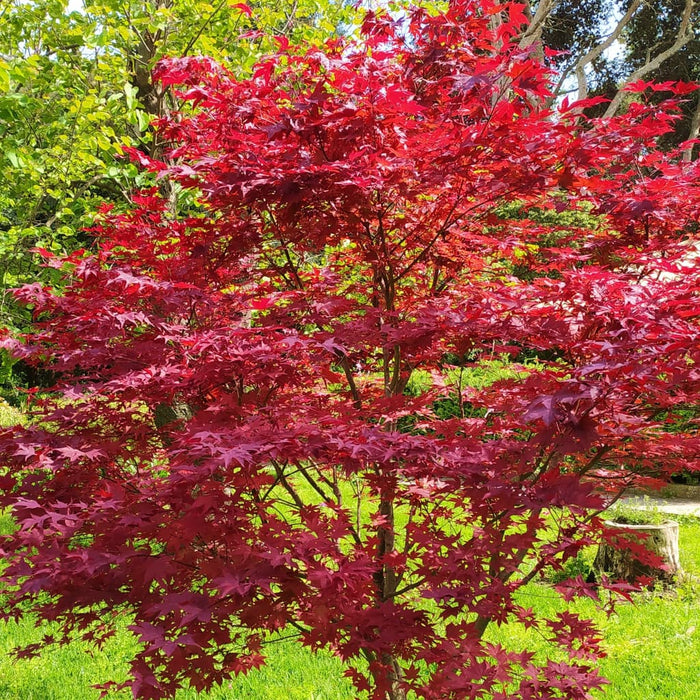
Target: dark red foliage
(259,422)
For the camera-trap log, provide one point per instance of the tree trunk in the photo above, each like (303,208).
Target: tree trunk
(618,560)
(395,676)
(390,674)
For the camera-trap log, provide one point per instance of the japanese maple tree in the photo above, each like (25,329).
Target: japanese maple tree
(261,419)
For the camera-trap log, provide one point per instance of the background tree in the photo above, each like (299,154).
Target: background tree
(362,211)
(606,44)
(657,30)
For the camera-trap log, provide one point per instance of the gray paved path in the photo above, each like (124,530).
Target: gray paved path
(678,506)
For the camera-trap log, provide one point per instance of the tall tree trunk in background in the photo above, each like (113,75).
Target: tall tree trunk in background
(694,130)
(533,34)
(141,58)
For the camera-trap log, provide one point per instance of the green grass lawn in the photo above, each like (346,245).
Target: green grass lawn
(654,646)
(653,649)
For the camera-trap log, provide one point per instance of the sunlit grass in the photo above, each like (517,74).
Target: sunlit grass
(9,415)
(67,673)
(652,647)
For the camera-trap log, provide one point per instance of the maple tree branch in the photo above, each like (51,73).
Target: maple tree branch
(333,485)
(273,486)
(347,370)
(294,268)
(316,487)
(443,230)
(386,369)
(409,521)
(408,587)
(288,487)
(385,576)
(279,270)
(480,624)
(380,231)
(357,492)
(557,92)
(282,638)
(297,626)
(313,483)
(620,492)
(396,386)
(595,460)
(539,565)
(284,245)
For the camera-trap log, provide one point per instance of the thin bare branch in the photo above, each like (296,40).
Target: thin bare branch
(597,50)
(204,25)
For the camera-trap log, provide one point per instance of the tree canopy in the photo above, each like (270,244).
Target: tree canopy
(76,86)
(258,418)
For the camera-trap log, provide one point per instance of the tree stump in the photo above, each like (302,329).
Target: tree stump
(619,559)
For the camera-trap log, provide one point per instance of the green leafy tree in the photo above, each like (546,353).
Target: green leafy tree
(76,86)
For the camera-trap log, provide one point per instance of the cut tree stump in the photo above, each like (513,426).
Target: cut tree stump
(617,560)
